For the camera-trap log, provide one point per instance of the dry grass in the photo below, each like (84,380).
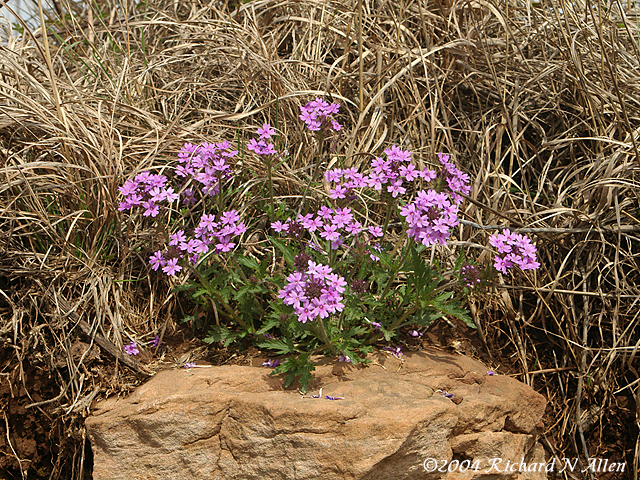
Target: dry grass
(539,103)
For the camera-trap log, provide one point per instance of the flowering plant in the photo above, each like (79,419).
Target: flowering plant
(352,269)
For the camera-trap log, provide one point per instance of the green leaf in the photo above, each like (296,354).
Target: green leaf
(355,331)
(219,333)
(199,293)
(250,262)
(305,377)
(422,281)
(454,309)
(268,325)
(280,347)
(353,356)
(249,289)
(460,260)
(296,367)
(286,251)
(184,288)
(443,297)
(423,317)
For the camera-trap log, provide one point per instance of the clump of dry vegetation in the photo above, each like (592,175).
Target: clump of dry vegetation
(539,103)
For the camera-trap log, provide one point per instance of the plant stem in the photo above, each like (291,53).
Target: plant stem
(400,265)
(218,298)
(220,202)
(238,269)
(270,180)
(416,307)
(303,205)
(319,349)
(246,280)
(411,311)
(390,206)
(324,336)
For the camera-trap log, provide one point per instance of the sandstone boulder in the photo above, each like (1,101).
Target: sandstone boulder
(390,420)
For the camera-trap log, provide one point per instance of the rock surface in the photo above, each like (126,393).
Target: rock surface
(237,422)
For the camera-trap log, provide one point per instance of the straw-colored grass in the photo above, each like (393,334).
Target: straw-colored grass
(539,103)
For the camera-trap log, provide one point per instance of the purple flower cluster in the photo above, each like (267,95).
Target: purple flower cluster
(391,172)
(470,275)
(332,225)
(317,115)
(457,182)
(432,214)
(430,217)
(146,190)
(513,249)
(131,349)
(314,292)
(208,235)
(208,164)
(262,146)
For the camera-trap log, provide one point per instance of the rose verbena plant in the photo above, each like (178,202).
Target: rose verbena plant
(345,272)
(202,236)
